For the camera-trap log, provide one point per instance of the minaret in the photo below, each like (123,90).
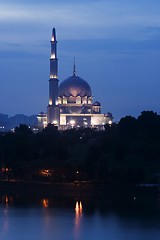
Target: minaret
(53,115)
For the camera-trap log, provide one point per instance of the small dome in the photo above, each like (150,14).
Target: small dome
(96,104)
(109,115)
(74,86)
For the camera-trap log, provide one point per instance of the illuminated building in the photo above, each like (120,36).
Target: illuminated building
(71,103)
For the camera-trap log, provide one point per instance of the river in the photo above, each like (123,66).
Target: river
(136,217)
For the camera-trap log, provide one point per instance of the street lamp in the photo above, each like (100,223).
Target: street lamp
(110,122)
(72,123)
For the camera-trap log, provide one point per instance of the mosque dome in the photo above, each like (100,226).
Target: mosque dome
(96,103)
(74,86)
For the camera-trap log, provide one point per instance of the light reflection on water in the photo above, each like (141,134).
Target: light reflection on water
(82,219)
(45,203)
(78,217)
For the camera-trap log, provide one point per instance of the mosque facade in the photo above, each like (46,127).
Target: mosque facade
(71,102)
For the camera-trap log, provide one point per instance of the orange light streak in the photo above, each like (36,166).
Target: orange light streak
(45,203)
(78,208)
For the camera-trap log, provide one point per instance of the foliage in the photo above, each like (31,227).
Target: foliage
(125,153)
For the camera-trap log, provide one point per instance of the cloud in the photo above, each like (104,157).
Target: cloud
(76,20)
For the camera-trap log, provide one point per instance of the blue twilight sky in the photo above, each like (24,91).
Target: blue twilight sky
(116,44)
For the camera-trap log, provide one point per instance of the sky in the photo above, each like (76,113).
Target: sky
(116,44)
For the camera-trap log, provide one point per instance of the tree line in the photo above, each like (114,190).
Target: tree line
(126,153)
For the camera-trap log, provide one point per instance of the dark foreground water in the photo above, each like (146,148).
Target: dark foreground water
(135,217)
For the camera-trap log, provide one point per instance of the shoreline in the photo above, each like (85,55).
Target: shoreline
(70,189)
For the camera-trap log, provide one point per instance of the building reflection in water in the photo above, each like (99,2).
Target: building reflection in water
(78,216)
(78,208)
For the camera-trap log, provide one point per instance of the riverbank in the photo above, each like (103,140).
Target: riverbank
(70,189)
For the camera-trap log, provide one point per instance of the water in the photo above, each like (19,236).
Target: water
(70,218)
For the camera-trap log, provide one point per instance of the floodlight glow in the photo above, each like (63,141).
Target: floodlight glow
(53,56)
(72,123)
(55,122)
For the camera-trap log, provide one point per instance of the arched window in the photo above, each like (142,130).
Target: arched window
(71,99)
(90,100)
(78,100)
(64,100)
(59,100)
(84,100)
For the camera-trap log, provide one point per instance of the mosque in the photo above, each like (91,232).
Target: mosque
(71,103)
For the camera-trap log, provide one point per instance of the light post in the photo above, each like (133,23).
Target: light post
(110,122)
(72,123)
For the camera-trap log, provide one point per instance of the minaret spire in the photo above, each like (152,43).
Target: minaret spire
(74,68)
(53,108)
(53,57)
(53,81)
